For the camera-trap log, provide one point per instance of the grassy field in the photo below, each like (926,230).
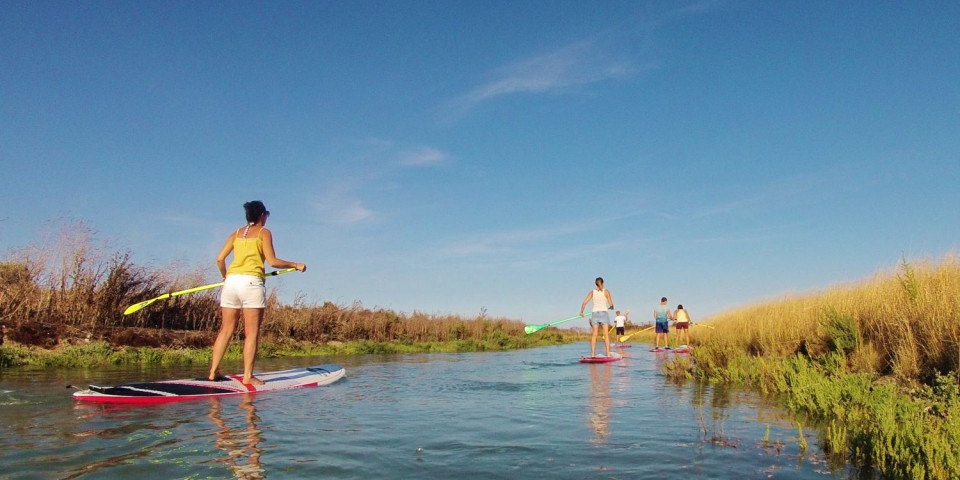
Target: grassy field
(874,364)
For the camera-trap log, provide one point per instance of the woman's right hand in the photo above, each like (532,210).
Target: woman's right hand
(301,267)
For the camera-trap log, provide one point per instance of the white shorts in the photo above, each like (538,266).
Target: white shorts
(243,291)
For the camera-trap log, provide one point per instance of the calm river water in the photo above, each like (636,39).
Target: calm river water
(527,414)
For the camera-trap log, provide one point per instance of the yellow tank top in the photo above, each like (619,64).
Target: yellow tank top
(682,316)
(247,256)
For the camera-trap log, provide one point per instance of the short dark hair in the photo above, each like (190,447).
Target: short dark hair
(254,209)
(663,299)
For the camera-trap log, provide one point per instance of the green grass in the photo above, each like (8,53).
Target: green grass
(102,353)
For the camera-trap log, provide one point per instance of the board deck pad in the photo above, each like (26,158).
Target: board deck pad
(599,359)
(187,389)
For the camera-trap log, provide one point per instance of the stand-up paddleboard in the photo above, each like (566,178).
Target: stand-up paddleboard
(613,358)
(624,345)
(189,389)
(682,349)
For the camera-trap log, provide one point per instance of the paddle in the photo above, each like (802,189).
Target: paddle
(536,328)
(139,306)
(624,338)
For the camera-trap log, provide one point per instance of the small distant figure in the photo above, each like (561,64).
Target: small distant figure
(602,300)
(621,323)
(662,317)
(682,326)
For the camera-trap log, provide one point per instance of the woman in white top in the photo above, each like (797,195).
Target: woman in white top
(602,301)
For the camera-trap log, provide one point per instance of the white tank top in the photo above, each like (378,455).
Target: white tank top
(599,300)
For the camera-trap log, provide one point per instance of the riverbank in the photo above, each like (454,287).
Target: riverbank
(873,365)
(99,353)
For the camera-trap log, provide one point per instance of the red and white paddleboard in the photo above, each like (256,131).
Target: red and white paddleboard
(604,359)
(189,389)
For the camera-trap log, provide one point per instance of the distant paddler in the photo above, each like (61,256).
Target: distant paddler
(602,301)
(621,323)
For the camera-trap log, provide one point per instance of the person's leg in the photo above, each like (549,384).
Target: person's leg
(251,341)
(606,338)
(227,326)
(593,341)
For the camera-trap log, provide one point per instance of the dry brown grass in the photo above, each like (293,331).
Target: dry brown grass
(69,285)
(904,322)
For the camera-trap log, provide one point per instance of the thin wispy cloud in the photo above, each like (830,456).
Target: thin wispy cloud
(508,241)
(373,167)
(701,7)
(423,157)
(574,65)
(340,206)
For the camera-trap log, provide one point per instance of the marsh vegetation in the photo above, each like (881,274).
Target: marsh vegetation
(874,364)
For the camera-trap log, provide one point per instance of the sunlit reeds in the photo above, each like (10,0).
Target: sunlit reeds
(875,363)
(904,322)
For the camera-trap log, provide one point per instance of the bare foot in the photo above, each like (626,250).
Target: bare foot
(215,376)
(253,381)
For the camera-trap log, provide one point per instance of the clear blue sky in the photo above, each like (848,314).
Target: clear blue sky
(451,156)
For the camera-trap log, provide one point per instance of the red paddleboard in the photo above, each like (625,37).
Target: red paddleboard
(623,346)
(599,359)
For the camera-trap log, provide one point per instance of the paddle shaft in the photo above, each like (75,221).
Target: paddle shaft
(536,328)
(625,337)
(140,306)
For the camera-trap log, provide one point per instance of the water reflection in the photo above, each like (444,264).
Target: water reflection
(600,401)
(241,444)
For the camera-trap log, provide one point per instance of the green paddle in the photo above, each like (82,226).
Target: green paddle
(536,328)
(139,306)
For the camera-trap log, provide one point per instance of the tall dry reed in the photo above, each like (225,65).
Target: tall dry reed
(904,322)
(78,288)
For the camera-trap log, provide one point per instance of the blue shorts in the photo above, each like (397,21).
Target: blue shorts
(600,318)
(663,327)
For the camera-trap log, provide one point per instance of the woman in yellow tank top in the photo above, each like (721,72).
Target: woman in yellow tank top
(244,294)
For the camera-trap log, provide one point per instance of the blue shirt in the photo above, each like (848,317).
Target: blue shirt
(662,313)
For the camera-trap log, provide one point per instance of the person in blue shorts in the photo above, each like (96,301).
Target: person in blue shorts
(601,302)
(662,317)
